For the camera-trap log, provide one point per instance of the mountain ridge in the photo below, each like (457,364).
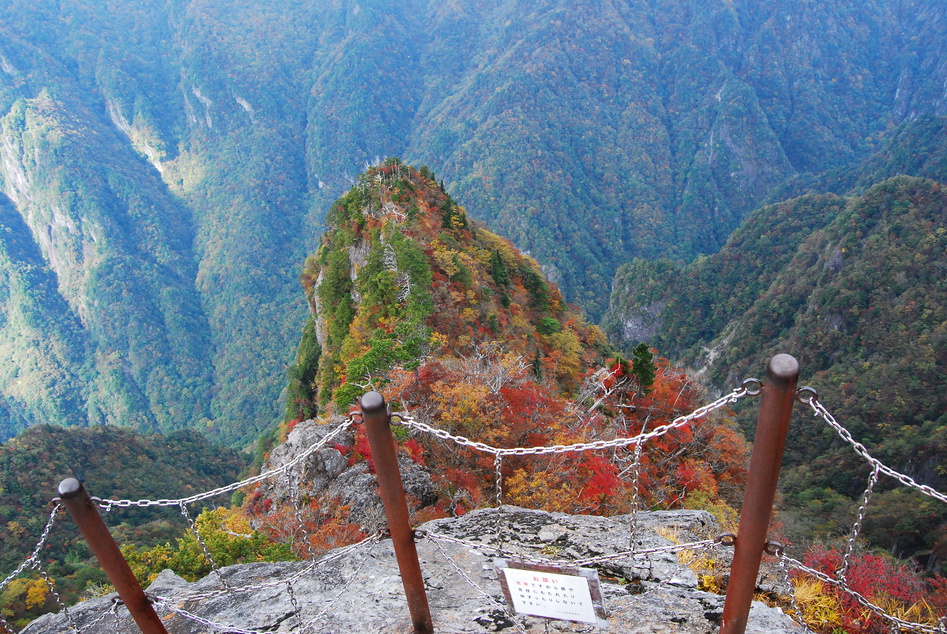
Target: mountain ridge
(211,138)
(855,290)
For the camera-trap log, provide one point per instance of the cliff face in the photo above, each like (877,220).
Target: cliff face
(361,590)
(173,161)
(854,288)
(404,275)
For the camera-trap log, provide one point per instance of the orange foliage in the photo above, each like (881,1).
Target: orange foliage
(495,399)
(313,529)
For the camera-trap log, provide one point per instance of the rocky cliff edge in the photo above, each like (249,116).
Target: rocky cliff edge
(360,589)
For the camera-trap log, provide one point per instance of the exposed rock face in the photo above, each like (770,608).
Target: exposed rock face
(327,474)
(361,591)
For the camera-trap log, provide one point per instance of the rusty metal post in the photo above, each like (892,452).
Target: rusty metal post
(86,516)
(778,396)
(378,429)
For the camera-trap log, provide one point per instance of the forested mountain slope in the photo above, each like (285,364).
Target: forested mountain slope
(152,466)
(403,276)
(172,162)
(856,289)
(460,331)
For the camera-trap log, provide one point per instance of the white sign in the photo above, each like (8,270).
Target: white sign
(552,592)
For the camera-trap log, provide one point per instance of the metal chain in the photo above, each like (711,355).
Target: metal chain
(52,590)
(900,623)
(168,602)
(856,527)
(635,499)
(310,566)
(217,627)
(298,512)
(294,602)
(476,586)
(210,558)
(809,396)
(307,627)
(33,559)
(112,611)
(797,611)
(108,504)
(498,474)
(681,421)
(485,549)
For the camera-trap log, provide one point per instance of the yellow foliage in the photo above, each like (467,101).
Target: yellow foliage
(445,259)
(37,592)
(727,516)
(235,520)
(704,566)
(540,490)
(920,612)
(16,529)
(436,340)
(461,405)
(568,361)
(819,608)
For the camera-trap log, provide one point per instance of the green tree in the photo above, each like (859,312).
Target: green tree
(643,366)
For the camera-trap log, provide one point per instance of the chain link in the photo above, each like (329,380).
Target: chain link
(292,599)
(856,527)
(112,611)
(33,559)
(635,498)
(346,424)
(204,547)
(477,587)
(215,627)
(58,599)
(797,611)
(727,399)
(749,387)
(821,411)
(485,549)
(33,562)
(312,565)
(325,610)
(842,585)
(168,603)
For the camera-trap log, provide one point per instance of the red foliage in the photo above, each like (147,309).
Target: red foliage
(414,450)
(873,576)
(938,593)
(362,449)
(601,479)
(313,529)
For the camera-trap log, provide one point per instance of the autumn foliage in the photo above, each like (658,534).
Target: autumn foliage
(494,398)
(895,587)
(457,327)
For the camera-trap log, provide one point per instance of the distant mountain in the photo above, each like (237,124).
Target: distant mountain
(149,466)
(403,275)
(166,165)
(856,289)
(460,331)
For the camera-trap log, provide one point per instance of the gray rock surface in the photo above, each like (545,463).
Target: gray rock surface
(326,474)
(360,590)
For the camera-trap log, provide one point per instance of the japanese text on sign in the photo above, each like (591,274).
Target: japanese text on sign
(550,595)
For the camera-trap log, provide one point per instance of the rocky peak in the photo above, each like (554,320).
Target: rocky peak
(360,590)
